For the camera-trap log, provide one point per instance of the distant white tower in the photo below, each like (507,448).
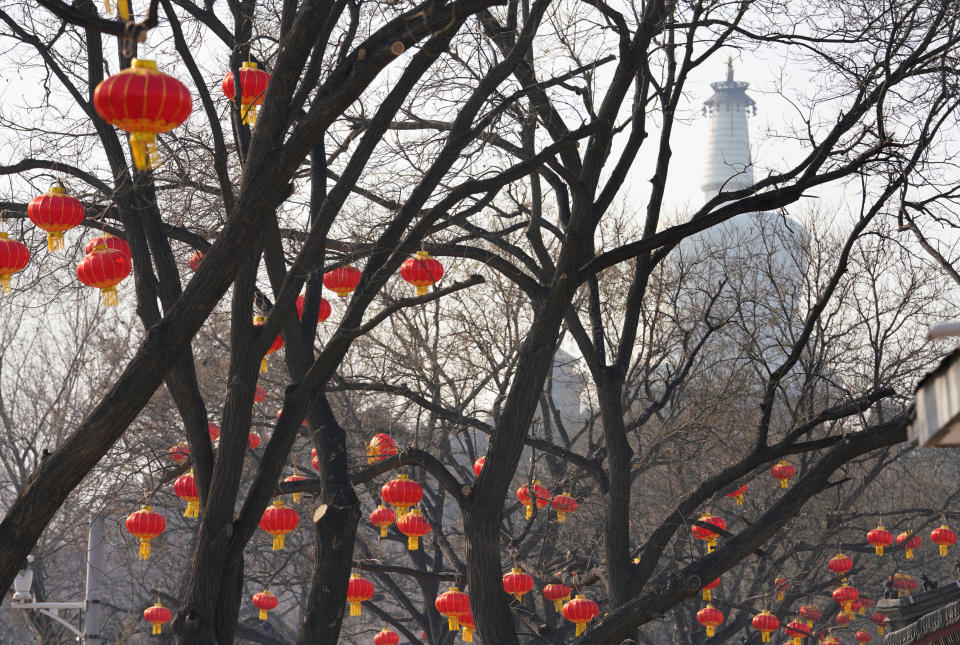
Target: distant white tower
(728,162)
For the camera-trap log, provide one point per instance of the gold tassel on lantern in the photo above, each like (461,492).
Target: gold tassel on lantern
(354,609)
(278,542)
(55,241)
(582,627)
(263,614)
(780,595)
(711,545)
(296,497)
(110,297)
(707,596)
(529,511)
(143,145)
(263,365)
(156,629)
(413,543)
(193,509)
(123,9)
(453,623)
(144,552)
(467,634)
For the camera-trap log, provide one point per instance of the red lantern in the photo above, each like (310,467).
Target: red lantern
(766,623)
(259,394)
(380,447)
(314,460)
(863,637)
(452,604)
(900,583)
(811,613)
(111,242)
(944,538)
(478,465)
(382,518)
(711,618)
(322,313)
(540,494)
(783,470)
(254,440)
(558,593)
(179,453)
(265,601)
(342,280)
(856,606)
(186,489)
(143,102)
(14,257)
(840,565)
(278,520)
(879,538)
(401,493)
(277,342)
(157,615)
(195,261)
(295,478)
(466,621)
(707,590)
(797,631)
(738,494)
(830,640)
(781,585)
(55,212)
(843,619)
(517,583)
(844,595)
(563,504)
(912,542)
(414,527)
(910,585)
(253,85)
(422,271)
(702,533)
(880,621)
(145,525)
(386,637)
(581,611)
(865,603)
(104,269)
(214,431)
(358,590)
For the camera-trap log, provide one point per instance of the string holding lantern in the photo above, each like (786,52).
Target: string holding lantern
(452,604)
(195,260)
(738,494)
(705,534)
(840,565)
(765,623)
(810,613)
(401,493)
(179,453)
(783,470)
(944,537)
(145,102)
(797,631)
(414,526)
(466,621)
(879,538)
(844,595)
(711,618)
(421,271)
(386,637)
(380,447)
(278,520)
(296,478)
(478,465)
(581,611)
(259,321)
(55,212)
(265,601)
(359,590)
(145,525)
(186,489)
(880,620)
(781,585)
(558,593)
(563,504)
(540,497)
(253,85)
(913,541)
(342,280)
(323,312)
(517,583)
(382,517)
(104,268)
(14,257)
(111,242)
(707,589)
(158,616)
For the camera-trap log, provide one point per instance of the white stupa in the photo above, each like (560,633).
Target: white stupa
(729,164)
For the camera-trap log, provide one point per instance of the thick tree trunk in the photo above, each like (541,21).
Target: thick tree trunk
(491,613)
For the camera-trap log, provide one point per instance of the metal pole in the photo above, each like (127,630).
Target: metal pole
(91,618)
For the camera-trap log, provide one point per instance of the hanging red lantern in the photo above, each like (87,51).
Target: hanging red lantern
(253,439)
(783,470)
(466,621)
(295,478)
(842,619)
(214,431)
(111,242)
(259,394)
(840,565)
(540,494)
(422,271)
(186,489)
(258,321)
(414,527)
(781,585)
(879,538)
(253,85)
(581,611)
(738,494)
(830,640)
(707,590)
(382,518)
(703,533)
(380,447)
(104,269)
(711,618)
(145,525)
(342,280)
(158,616)
(944,537)
(478,465)
(55,212)
(179,453)
(278,520)
(401,493)
(844,595)
(856,606)
(314,460)
(865,604)
(797,631)
(558,593)
(386,637)
(863,637)
(563,504)
(880,621)
(452,604)
(517,583)
(144,102)
(766,623)
(265,601)
(359,590)
(810,613)
(195,260)
(322,313)
(913,541)
(14,257)
(900,583)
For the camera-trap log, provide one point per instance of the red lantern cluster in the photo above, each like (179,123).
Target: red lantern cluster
(186,489)
(558,593)
(278,520)
(265,601)
(382,518)
(581,611)
(359,590)
(944,537)
(144,102)
(104,268)
(253,85)
(401,493)
(517,583)
(14,257)
(783,470)
(414,527)
(342,280)
(540,497)
(766,623)
(145,525)
(913,541)
(452,604)
(705,534)
(879,538)
(380,447)
(421,271)
(711,618)
(55,212)
(158,616)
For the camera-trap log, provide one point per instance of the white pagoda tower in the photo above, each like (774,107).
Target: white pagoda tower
(728,162)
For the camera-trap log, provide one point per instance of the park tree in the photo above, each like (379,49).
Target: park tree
(501,138)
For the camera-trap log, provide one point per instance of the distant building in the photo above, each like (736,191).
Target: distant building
(927,618)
